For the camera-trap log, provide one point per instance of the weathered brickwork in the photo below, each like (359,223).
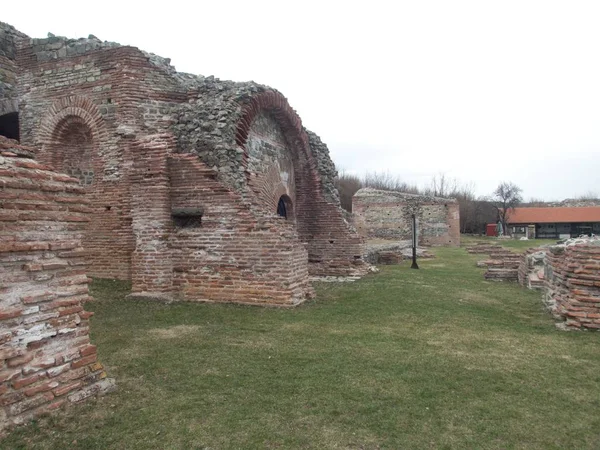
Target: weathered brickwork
(124,122)
(531,268)
(572,273)
(387,215)
(9,98)
(46,358)
(502,265)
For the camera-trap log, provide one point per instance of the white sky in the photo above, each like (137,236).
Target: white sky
(483,91)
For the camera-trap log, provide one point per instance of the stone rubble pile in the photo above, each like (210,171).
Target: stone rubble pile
(572,272)
(531,268)
(393,253)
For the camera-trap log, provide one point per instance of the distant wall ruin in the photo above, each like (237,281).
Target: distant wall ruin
(387,215)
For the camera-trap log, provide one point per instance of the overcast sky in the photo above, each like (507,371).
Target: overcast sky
(483,91)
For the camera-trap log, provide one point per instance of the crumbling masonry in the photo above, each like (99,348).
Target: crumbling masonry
(199,189)
(46,358)
(191,187)
(387,215)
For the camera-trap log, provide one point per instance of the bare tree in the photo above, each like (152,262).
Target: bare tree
(347,185)
(388,182)
(507,197)
(589,195)
(442,186)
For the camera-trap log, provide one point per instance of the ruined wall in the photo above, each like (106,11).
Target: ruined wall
(572,273)
(387,215)
(9,97)
(235,254)
(46,358)
(531,268)
(84,102)
(198,240)
(240,130)
(270,163)
(95,108)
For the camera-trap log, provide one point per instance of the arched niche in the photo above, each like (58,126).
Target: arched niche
(72,148)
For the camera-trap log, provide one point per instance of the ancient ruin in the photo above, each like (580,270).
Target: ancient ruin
(191,187)
(567,273)
(387,215)
(572,273)
(531,268)
(46,358)
(199,189)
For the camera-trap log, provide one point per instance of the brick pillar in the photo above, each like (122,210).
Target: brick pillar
(152,266)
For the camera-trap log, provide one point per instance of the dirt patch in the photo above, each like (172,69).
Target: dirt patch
(174,332)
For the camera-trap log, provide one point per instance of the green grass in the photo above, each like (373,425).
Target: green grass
(434,358)
(513,244)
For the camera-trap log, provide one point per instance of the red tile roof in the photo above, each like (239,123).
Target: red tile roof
(554,215)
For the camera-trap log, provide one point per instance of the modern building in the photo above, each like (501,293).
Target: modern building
(554,223)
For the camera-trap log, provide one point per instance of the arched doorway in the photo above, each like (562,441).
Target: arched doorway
(285,208)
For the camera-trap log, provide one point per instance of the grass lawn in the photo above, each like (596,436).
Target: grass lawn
(430,358)
(512,244)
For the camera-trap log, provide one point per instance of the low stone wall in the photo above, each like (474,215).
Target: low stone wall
(46,358)
(572,272)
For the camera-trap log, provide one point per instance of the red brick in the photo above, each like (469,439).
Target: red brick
(83,361)
(62,390)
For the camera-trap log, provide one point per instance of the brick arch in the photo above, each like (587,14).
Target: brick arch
(278,106)
(76,106)
(70,135)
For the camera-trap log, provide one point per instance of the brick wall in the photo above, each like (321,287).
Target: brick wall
(46,358)
(235,254)
(84,109)
(104,113)
(572,275)
(387,215)
(531,268)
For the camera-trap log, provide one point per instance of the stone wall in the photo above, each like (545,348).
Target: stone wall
(572,272)
(387,215)
(46,358)
(255,142)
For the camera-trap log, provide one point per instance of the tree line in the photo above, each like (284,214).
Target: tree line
(475,212)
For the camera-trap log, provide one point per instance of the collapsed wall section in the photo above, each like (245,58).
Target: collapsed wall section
(387,215)
(572,273)
(531,268)
(46,358)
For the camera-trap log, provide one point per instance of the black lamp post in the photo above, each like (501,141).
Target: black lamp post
(414,243)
